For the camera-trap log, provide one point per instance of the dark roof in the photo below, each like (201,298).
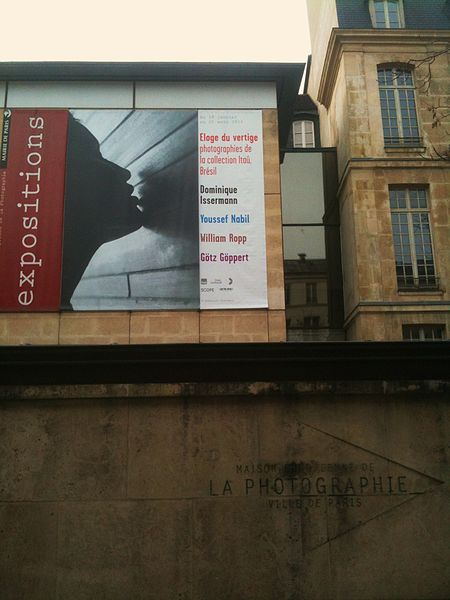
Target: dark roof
(432,14)
(419,14)
(286,76)
(307,74)
(303,103)
(353,14)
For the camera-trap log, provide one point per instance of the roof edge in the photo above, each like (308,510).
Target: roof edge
(150,71)
(286,76)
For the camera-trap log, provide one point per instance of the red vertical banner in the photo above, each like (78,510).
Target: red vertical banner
(32,168)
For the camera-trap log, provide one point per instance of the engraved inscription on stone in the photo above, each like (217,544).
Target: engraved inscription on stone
(333,483)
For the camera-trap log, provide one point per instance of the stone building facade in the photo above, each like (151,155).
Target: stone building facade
(195,455)
(376,84)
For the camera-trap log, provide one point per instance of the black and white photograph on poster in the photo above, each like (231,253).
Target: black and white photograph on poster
(131,239)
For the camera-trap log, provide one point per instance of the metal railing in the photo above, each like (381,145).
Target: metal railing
(396,142)
(431,282)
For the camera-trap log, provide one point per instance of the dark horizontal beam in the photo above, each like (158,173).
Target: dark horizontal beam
(149,71)
(169,363)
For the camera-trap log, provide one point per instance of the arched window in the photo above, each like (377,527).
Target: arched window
(387,14)
(303,134)
(398,106)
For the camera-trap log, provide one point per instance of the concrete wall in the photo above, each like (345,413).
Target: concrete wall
(237,492)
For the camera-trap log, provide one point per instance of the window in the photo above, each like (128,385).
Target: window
(311,322)
(311,293)
(311,245)
(398,107)
(386,14)
(412,238)
(423,332)
(303,134)
(287,293)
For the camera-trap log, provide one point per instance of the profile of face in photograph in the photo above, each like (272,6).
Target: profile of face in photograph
(99,205)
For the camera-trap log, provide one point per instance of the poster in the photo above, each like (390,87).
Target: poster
(32,161)
(231,210)
(113,210)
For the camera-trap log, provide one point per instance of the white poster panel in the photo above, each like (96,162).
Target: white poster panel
(231,209)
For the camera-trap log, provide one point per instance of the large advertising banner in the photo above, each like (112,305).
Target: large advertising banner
(117,210)
(231,210)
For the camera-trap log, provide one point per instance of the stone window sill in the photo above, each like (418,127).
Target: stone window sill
(405,149)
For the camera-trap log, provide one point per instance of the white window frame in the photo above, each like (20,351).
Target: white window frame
(396,93)
(407,232)
(388,22)
(408,331)
(300,130)
(311,292)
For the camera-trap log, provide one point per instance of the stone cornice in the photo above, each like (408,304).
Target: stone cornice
(424,304)
(389,163)
(367,40)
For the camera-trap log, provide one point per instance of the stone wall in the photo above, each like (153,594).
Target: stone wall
(368,259)
(322,17)
(349,100)
(232,491)
(350,114)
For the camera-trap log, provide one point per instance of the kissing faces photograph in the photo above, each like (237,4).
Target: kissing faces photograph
(131,211)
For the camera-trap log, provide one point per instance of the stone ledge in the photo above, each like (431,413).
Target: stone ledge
(414,389)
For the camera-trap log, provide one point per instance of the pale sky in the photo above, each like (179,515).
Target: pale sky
(162,30)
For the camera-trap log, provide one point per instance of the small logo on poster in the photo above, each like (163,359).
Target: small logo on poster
(5,138)
(203,281)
